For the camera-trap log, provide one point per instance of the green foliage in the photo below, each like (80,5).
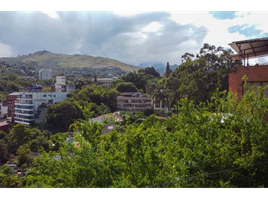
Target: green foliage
(150,71)
(177,152)
(18,136)
(97,94)
(126,87)
(61,115)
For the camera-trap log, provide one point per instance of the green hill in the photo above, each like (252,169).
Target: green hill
(62,63)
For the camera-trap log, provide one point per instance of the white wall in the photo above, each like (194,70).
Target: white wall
(3,110)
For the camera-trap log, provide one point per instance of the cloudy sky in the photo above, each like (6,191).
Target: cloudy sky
(128,36)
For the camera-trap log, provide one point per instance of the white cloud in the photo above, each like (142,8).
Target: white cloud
(152,27)
(5,50)
(51,14)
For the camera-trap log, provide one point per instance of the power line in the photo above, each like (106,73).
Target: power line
(209,174)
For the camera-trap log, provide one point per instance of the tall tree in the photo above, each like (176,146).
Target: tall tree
(168,70)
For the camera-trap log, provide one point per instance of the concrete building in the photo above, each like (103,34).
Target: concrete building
(10,100)
(160,106)
(134,101)
(45,74)
(106,81)
(3,110)
(27,108)
(257,74)
(60,85)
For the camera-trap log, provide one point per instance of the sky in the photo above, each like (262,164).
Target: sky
(133,34)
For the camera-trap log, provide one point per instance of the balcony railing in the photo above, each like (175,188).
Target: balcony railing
(24,118)
(24,113)
(22,122)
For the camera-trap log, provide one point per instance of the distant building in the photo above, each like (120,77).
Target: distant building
(134,101)
(45,74)
(161,106)
(60,85)
(106,81)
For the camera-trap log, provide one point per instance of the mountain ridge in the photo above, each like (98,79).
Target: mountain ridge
(58,62)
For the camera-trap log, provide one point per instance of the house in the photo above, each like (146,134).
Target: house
(134,101)
(107,128)
(5,126)
(257,74)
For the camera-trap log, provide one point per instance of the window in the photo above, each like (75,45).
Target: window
(54,95)
(44,95)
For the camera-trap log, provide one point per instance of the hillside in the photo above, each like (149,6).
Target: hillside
(62,63)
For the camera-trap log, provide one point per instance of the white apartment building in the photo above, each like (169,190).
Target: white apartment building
(3,110)
(26,106)
(45,74)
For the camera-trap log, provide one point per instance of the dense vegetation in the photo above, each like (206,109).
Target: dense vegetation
(218,144)
(209,140)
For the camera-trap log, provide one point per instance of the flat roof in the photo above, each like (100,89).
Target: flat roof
(249,48)
(15,93)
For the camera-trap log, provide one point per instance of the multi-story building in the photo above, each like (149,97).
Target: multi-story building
(45,74)
(3,110)
(27,104)
(134,101)
(10,100)
(60,85)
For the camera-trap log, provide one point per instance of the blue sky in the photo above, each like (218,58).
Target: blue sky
(133,32)
(223,15)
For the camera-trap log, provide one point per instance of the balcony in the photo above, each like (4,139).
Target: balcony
(24,118)
(24,113)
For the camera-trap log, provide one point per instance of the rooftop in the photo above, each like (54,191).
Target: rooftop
(249,48)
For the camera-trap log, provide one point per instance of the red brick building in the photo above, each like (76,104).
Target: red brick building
(10,100)
(257,74)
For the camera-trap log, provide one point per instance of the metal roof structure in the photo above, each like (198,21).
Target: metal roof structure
(246,49)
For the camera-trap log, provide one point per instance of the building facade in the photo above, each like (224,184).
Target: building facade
(3,110)
(256,76)
(160,106)
(134,101)
(45,74)
(27,108)
(10,100)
